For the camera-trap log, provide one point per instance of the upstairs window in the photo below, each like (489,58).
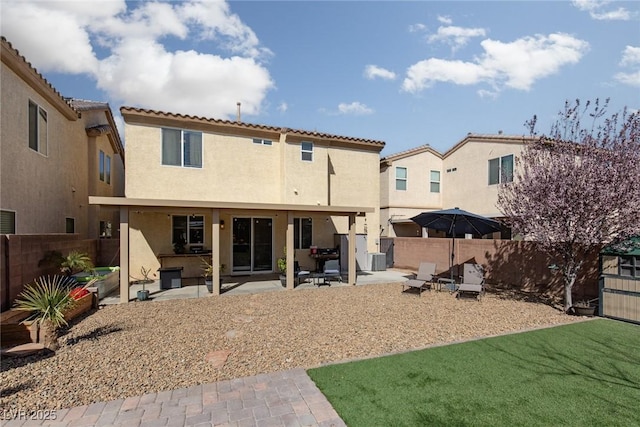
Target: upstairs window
(104,166)
(401,178)
(501,170)
(262,141)
(107,170)
(306,150)
(435,182)
(302,229)
(181,148)
(37,128)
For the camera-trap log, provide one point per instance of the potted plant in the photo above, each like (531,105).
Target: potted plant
(47,300)
(584,307)
(76,262)
(282,267)
(143,294)
(207,273)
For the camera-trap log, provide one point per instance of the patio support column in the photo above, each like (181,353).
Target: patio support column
(290,251)
(215,250)
(352,250)
(124,254)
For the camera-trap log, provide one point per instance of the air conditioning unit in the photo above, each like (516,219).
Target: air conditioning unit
(378,262)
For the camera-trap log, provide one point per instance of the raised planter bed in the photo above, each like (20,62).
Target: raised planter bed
(108,279)
(15,331)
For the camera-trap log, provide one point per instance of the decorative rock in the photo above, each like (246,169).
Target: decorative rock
(218,358)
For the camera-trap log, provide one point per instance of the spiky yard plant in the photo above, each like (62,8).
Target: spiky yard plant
(76,262)
(47,298)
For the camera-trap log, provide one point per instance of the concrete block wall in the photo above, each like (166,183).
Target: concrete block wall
(22,254)
(508,264)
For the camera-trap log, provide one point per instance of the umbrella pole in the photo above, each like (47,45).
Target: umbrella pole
(453,250)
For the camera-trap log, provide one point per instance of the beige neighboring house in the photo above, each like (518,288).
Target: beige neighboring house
(467,176)
(240,193)
(55,152)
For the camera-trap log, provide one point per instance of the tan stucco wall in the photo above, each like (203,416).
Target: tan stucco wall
(41,188)
(417,198)
(468,186)
(237,170)
(44,190)
(233,169)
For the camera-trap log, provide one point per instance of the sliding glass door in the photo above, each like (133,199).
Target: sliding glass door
(252,244)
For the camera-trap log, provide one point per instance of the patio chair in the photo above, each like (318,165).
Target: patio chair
(300,275)
(331,270)
(473,281)
(423,280)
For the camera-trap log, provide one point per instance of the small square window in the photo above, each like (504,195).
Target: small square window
(262,141)
(7,222)
(307,151)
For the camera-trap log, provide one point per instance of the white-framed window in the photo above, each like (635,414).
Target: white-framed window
(101,165)
(434,183)
(401,178)
(260,141)
(70,225)
(37,128)
(7,222)
(188,229)
(302,232)
(181,148)
(306,151)
(107,170)
(501,170)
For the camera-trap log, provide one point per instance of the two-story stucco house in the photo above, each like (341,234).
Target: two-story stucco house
(240,193)
(466,176)
(55,152)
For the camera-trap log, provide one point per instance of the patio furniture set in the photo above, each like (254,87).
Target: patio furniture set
(472,281)
(330,270)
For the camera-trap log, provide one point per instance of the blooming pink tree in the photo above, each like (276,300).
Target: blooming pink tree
(577,188)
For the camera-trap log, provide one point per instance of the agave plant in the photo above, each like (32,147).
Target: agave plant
(75,262)
(47,298)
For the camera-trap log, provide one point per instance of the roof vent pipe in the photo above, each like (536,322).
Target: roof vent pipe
(238,117)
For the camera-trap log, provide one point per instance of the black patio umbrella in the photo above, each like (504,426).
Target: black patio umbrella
(456,221)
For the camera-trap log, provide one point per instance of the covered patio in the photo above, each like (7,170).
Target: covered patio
(151,231)
(246,285)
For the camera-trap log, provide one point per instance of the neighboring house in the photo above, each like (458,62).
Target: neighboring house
(55,152)
(466,176)
(243,192)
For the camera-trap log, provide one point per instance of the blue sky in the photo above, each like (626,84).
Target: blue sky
(407,73)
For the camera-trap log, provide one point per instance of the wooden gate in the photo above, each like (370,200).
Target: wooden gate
(386,247)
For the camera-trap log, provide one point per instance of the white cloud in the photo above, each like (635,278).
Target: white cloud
(355,108)
(516,65)
(130,59)
(373,71)
(630,58)
(445,20)
(416,28)
(599,10)
(283,107)
(457,37)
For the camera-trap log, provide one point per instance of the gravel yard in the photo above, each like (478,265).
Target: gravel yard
(128,350)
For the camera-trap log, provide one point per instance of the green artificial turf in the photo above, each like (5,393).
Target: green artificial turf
(583,374)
